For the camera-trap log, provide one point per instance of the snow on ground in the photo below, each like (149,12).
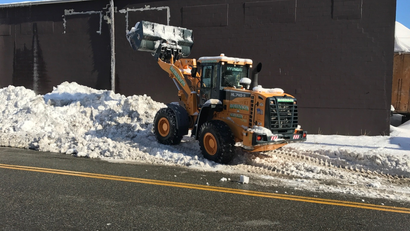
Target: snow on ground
(85,122)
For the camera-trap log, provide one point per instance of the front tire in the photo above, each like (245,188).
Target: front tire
(165,127)
(216,141)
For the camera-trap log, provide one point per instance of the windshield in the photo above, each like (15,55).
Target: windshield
(231,74)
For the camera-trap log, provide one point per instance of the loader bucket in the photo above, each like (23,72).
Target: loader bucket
(149,36)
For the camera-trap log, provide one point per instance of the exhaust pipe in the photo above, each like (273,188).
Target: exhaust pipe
(255,73)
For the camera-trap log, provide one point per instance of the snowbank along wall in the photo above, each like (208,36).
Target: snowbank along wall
(335,56)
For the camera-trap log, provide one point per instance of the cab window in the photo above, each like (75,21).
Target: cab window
(206,76)
(210,76)
(232,74)
(209,82)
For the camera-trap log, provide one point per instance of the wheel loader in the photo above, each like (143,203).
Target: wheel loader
(221,102)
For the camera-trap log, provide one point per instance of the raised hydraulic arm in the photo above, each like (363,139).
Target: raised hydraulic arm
(169,45)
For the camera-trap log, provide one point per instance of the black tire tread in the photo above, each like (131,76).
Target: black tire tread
(225,139)
(173,138)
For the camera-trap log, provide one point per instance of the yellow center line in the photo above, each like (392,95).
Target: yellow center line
(210,188)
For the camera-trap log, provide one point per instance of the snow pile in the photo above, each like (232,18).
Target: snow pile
(401,38)
(75,119)
(81,121)
(260,130)
(224,58)
(212,102)
(156,33)
(259,88)
(381,153)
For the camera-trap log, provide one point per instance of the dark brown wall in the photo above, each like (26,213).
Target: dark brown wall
(335,56)
(39,50)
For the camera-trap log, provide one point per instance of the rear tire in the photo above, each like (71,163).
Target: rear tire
(216,141)
(165,127)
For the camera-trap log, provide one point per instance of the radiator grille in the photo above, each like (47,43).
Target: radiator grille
(282,116)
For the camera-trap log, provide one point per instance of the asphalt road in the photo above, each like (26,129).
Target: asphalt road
(48,191)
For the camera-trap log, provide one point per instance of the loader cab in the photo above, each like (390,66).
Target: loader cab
(221,72)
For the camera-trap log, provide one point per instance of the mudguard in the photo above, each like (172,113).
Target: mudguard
(206,114)
(181,117)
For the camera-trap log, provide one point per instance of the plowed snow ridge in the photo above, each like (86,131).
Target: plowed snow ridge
(82,121)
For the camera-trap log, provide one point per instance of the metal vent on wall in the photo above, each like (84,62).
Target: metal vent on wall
(347,9)
(199,16)
(283,11)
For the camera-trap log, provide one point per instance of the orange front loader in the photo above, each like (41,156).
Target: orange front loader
(220,99)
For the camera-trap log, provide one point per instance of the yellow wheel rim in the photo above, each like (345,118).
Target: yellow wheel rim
(163,127)
(211,146)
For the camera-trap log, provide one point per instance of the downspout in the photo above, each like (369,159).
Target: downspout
(112,12)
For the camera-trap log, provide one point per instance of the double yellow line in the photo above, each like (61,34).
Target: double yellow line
(210,188)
